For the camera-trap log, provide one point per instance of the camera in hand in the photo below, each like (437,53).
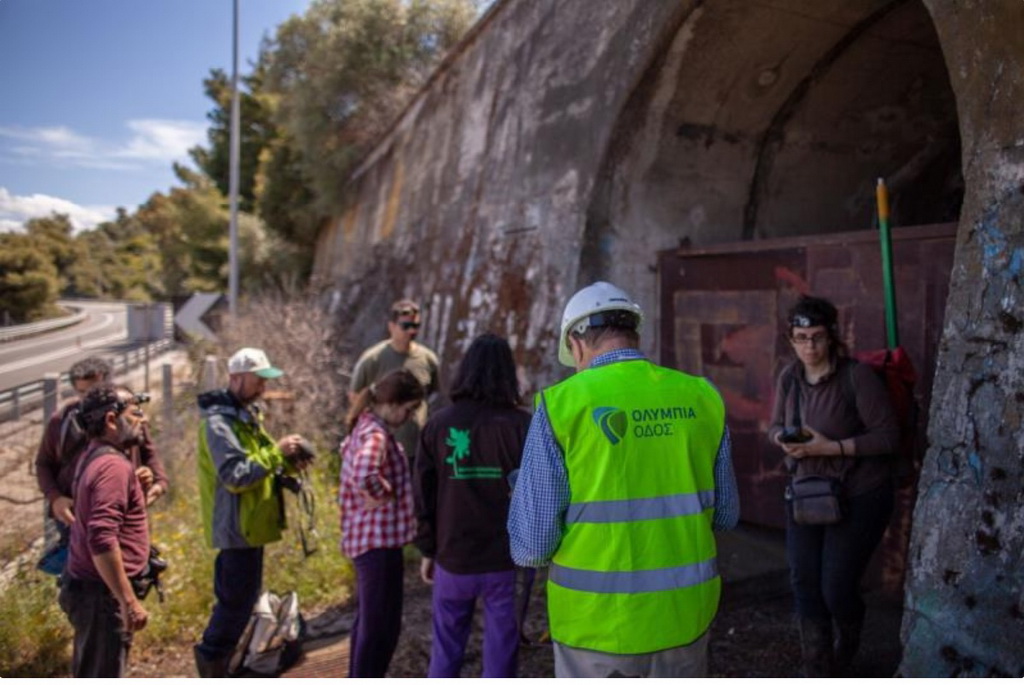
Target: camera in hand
(149,578)
(794,435)
(287,482)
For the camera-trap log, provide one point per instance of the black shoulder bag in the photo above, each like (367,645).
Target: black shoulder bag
(815,498)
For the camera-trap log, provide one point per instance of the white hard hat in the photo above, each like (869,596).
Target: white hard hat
(595,298)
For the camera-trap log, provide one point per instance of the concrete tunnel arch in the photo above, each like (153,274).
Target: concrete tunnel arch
(774,119)
(568,140)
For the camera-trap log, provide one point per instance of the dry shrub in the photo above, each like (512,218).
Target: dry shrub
(300,338)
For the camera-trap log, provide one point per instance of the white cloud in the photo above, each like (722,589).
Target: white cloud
(161,140)
(152,142)
(15,210)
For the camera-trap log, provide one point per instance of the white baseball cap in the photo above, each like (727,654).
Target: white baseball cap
(253,360)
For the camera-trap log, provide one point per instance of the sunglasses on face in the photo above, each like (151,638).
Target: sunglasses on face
(409,325)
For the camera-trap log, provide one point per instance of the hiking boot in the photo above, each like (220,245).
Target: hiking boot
(816,647)
(846,643)
(210,668)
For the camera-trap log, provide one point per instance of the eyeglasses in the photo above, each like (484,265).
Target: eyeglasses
(816,339)
(409,325)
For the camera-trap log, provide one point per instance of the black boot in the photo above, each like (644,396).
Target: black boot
(816,647)
(210,668)
(846,643)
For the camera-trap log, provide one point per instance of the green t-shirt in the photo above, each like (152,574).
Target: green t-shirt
(379,360)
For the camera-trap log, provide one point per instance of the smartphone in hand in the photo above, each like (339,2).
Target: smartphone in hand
(794,435)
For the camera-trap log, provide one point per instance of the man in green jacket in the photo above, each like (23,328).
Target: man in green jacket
(241,502)
(626,470)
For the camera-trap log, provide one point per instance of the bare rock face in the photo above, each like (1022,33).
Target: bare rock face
(964,611)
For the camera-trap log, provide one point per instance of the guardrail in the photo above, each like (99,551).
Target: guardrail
(28,396)
(8,333)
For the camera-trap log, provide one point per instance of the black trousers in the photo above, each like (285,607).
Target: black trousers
(827,562)
(378,622)
(101,644)
(237,579)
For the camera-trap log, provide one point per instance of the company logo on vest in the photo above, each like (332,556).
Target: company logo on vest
(612,422)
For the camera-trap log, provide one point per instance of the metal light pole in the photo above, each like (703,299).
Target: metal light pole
(233,174)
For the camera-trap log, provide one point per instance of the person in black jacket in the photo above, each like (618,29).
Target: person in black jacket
(462,493)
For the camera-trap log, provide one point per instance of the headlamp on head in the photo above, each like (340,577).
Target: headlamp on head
(802,321)
(117,406)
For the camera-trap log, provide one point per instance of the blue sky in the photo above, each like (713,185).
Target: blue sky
(99,97)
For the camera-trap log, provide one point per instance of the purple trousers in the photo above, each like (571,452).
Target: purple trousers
(378,614)
(455,598)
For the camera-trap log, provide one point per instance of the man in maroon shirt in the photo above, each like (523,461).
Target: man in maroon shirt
(109,536)
(63,440)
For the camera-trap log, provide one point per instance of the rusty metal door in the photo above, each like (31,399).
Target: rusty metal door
(722,316)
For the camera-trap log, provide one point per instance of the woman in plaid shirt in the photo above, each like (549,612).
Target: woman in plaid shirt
(376,516)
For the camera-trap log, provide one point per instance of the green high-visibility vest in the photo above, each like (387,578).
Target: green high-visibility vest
(260,506)
(636,568)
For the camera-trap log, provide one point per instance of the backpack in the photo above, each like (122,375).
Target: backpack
(894,368)
(72,439)
(270,643)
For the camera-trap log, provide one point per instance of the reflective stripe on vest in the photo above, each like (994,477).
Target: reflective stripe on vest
(619,511)
(632,582)
(636,568)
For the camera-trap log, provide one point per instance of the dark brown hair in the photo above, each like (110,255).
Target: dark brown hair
(812,311)
(88,369)
(404,308)
(101,399)
(487,373)
(396,387)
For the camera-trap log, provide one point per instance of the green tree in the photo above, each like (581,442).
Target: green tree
(28,279)
(257,131)
(342,72)
(53,235)
(321,93)
(285,195)
(190,228)
(118,259)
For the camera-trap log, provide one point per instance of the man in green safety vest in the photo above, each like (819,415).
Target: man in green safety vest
(626,471)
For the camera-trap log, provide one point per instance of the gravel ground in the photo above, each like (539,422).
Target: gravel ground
(753,636)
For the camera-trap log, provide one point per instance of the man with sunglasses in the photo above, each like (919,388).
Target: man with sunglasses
(109,542)
(400,350)
(63,440)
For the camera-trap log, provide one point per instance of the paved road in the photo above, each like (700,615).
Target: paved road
(103,333)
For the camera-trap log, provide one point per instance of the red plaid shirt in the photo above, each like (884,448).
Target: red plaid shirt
(374,467)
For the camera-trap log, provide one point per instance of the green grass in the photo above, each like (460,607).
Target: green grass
(321,580)
(35,637)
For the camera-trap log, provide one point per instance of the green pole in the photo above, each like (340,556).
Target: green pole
(891,330)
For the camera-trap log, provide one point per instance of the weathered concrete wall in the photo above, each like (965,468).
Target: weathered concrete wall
(475,201)
(570,140)
(573,140)
(964,611)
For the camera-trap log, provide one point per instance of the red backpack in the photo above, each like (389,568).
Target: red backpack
(894,368)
